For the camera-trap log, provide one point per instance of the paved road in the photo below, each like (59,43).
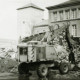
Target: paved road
(53,75)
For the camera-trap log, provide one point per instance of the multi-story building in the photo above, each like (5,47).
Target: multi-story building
(67,13)
(28,16)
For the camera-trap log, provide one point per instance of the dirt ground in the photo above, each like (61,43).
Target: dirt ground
(53,75)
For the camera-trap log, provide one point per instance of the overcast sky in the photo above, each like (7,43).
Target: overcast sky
(8,15)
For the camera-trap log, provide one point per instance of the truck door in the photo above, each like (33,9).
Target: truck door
(23,52)
(40,53)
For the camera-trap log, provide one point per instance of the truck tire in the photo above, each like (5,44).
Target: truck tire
(64,68)
(23,68)
(42,70)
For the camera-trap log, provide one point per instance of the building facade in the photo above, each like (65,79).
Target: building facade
(67,13)
(28,16)
(41,27)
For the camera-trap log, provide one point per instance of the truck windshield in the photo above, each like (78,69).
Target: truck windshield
(23,51)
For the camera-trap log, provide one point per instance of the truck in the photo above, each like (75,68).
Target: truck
(45,54)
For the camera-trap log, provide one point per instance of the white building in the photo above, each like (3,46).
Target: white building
(41,27)
(28,16)
(67,13)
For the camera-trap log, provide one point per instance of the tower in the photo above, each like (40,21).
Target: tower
(27,17)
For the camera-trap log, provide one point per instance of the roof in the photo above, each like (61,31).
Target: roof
(42,23)
(33,38)
(65,4)
(30,5)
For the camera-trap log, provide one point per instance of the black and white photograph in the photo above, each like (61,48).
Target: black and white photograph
(39,39)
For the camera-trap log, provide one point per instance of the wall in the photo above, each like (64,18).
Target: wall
(56,25)
(41,29)
(51,16)
(26,19)
(64,21)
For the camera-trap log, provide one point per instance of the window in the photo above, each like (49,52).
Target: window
(61,15)
(55,16)
(67,14)
(51,16)
(56,26)
(74,30)
(79,13)
(23,51)
(74,13)
(40,53)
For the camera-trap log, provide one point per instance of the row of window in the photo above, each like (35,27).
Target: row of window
(66,14)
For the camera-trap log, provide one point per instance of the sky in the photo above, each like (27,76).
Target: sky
(8,15)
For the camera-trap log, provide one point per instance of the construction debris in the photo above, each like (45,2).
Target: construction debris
(7,60)
(6,65)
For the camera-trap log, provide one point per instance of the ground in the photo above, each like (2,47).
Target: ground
(53,75)
(9,71)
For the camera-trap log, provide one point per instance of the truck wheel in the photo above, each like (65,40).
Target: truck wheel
(64,68)
(42,70)
(23,68)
